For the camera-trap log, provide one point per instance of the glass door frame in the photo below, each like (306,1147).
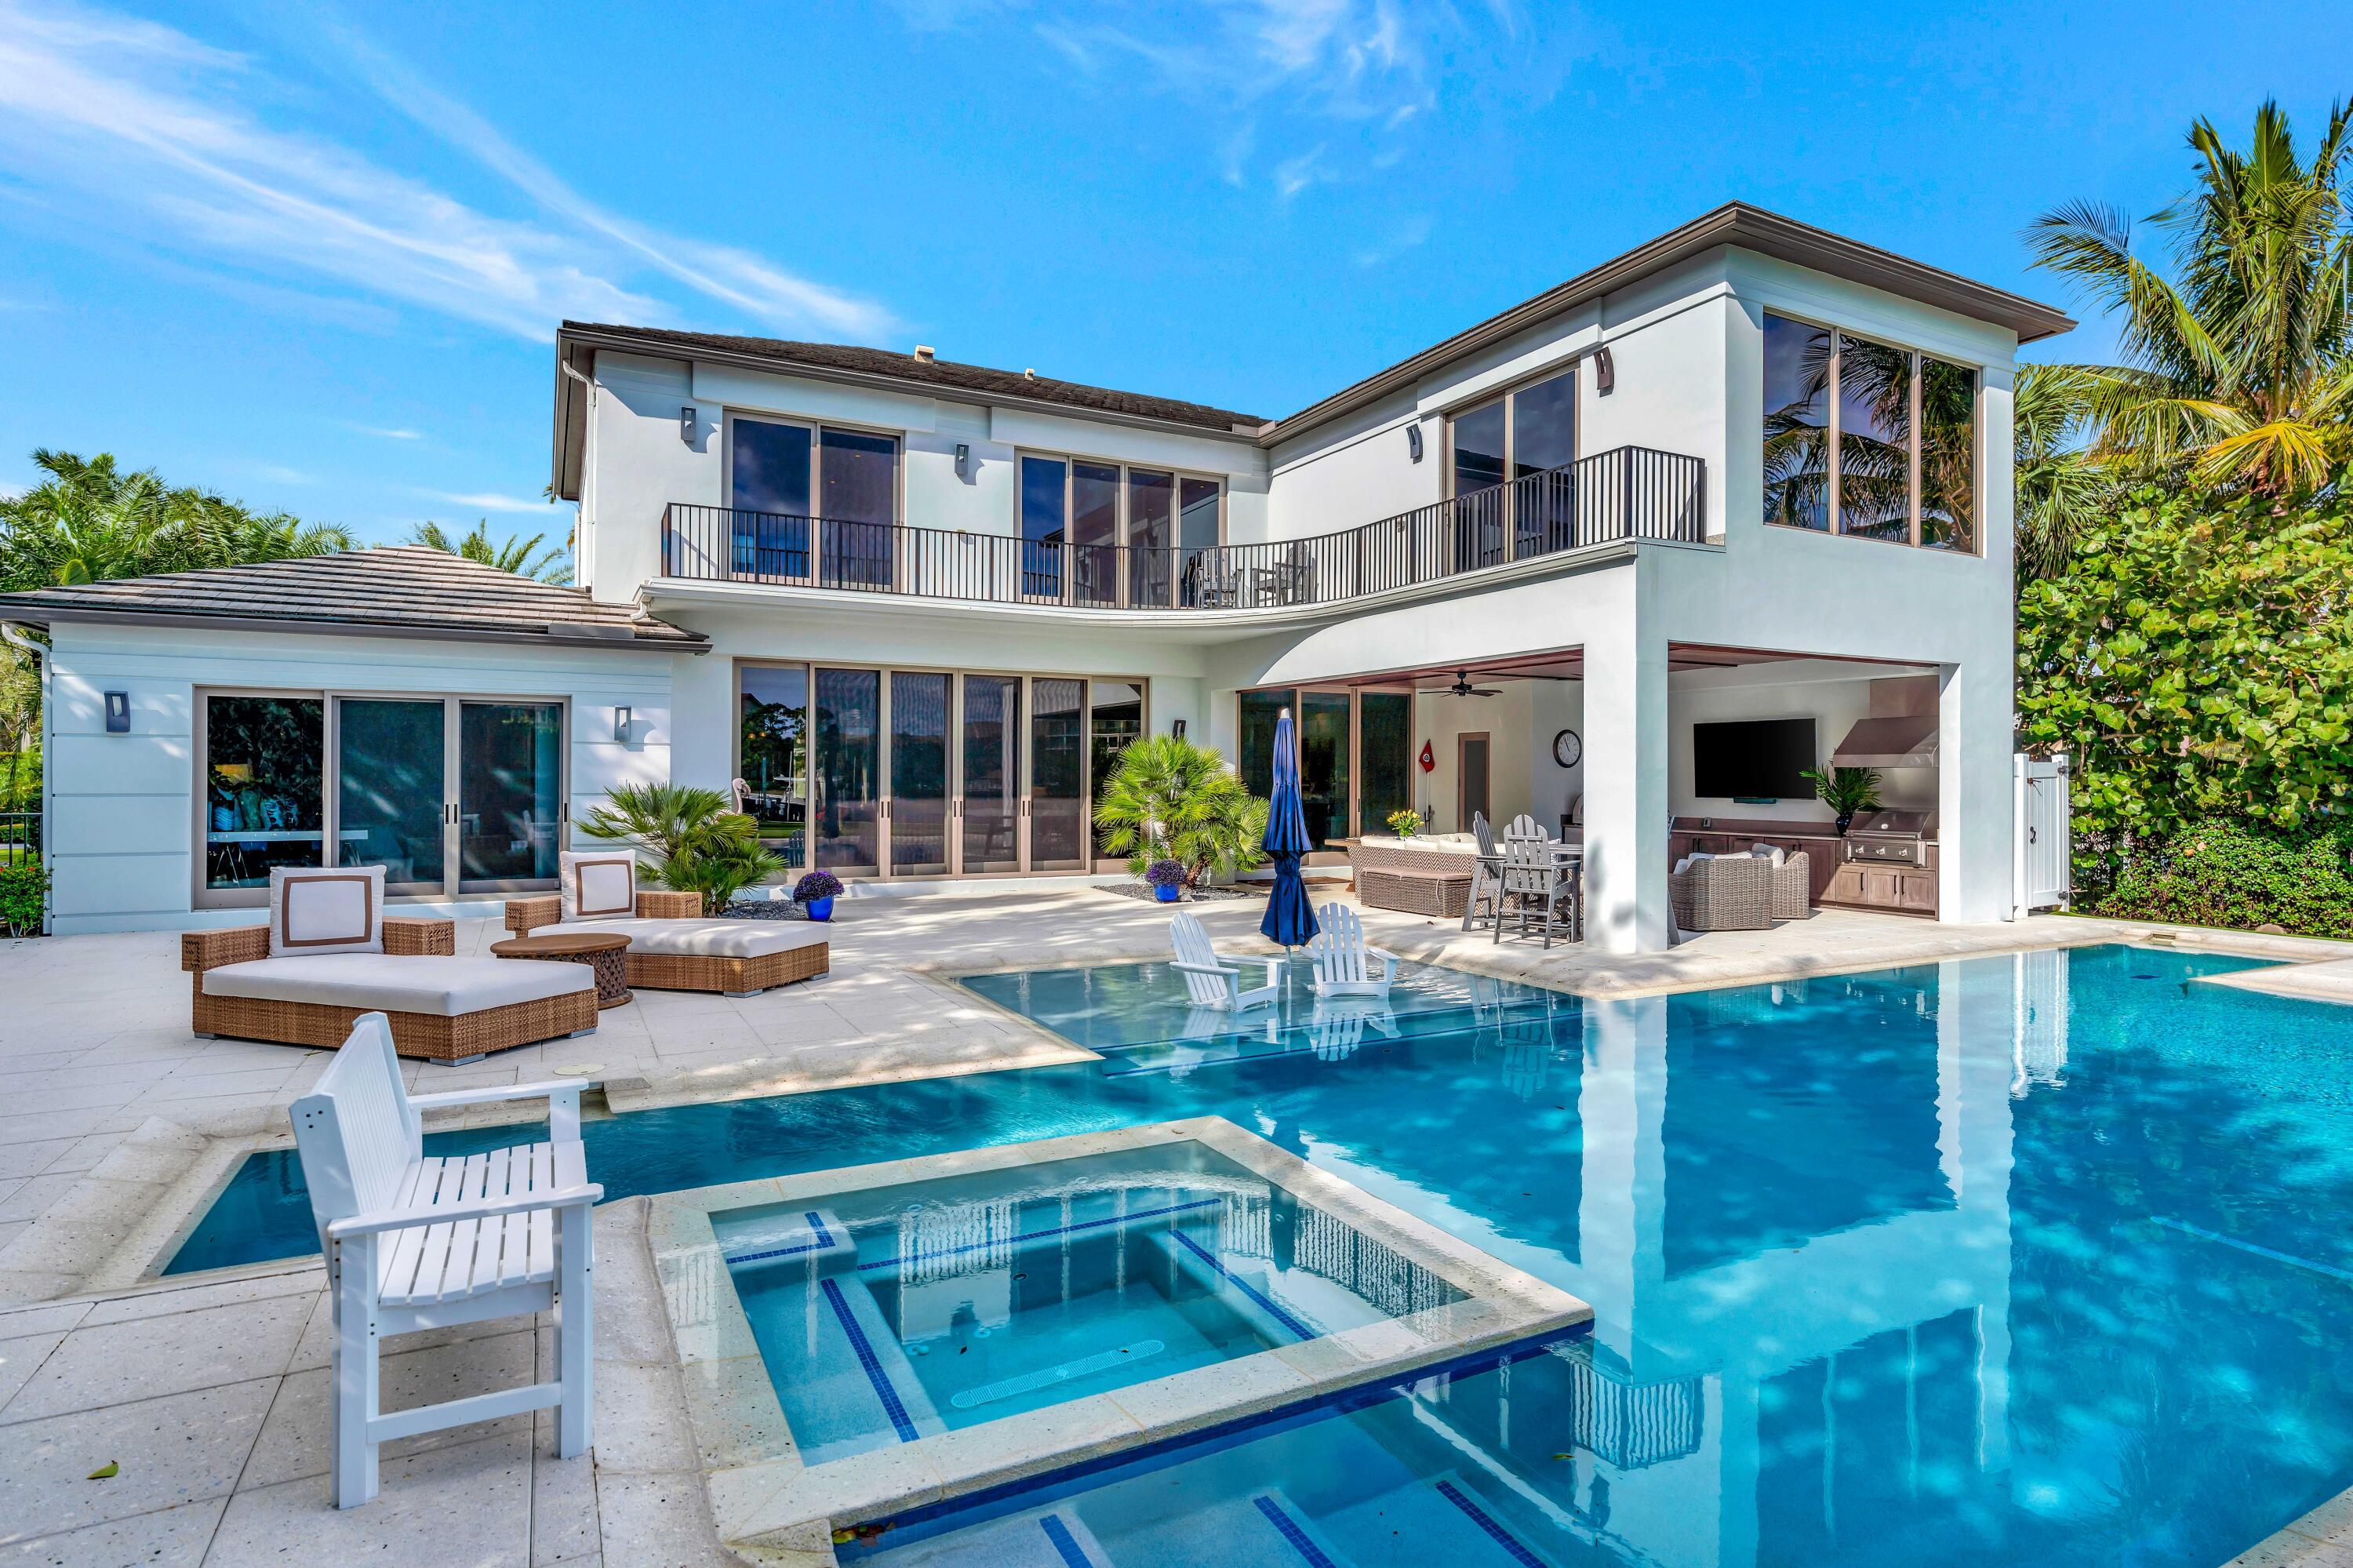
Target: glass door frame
(1023,794)
(1355,695)
(816,543)
(331,781)
(1121,536)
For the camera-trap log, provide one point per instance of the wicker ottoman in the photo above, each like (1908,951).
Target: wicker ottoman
(1442,895)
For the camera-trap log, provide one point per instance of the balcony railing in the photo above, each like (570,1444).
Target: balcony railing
(1628,493)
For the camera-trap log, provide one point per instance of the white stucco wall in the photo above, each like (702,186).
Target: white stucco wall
(122,829)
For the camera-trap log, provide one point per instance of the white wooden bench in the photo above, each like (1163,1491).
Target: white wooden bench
(1343,961)
(1213,981)
(417,1242)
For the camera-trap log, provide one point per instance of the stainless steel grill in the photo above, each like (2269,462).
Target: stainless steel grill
(1892,837)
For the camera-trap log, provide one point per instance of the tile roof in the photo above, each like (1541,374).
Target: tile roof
(390,589)
(944,373)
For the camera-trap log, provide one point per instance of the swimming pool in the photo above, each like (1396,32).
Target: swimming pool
(2015,1260)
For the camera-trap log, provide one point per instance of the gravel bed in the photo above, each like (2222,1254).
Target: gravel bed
(1142,890)
(766,909)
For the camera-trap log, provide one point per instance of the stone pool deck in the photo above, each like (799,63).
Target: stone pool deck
(113,1119)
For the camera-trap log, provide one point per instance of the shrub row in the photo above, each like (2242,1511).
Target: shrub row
(2232,873)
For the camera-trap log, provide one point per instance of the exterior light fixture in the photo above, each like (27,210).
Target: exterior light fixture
(686,424)
(118,713)
(622,725)
(1413,441)
(964,460)
(1605,372)
(1176,728)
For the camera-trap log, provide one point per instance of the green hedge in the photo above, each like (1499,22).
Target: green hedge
(22,889)
(2235,874)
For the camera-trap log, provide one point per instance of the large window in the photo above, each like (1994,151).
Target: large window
(928,773)
(812,502)
(1866,438)
(1355,755)
(1108,533)
(448,794)
(1528,430)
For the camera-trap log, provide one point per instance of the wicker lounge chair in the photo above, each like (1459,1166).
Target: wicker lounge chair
(1723,893)
(672,946)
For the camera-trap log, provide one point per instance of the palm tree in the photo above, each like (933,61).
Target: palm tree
(699,842)
(89,520)
(2240,368)
(523,557)
(2061,483)
(1167,799)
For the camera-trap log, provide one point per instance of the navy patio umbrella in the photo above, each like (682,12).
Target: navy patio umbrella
(1290,918)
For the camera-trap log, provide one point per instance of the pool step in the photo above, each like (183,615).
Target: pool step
(812,1239)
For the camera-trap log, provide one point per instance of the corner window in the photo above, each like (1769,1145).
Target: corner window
(1866,438)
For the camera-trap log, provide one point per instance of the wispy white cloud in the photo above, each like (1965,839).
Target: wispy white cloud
(486,501)
(1405,236)
(1295,174)
(389,433)
(141,121)
(278,472)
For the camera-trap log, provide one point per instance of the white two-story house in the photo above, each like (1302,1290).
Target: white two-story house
(1625,558)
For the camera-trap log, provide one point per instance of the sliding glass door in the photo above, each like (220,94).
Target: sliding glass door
(918,818)
(1355,756)
(1058,775)
(449,794)
(390,798)
(846,804)
(991,727)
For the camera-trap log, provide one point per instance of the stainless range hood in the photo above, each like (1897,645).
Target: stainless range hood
(1905,742)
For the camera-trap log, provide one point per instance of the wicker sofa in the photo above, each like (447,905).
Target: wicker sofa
(442,1007)
(1425,874)
(673,947)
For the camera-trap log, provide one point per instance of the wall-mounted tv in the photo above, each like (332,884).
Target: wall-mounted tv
(1753,759)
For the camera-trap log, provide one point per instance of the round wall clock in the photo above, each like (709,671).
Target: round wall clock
(1566,749)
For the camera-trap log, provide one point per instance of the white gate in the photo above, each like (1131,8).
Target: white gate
(2040,875)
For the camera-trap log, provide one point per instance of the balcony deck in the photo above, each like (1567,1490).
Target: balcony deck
(1625,494)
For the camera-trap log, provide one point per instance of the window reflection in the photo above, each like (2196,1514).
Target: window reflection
(775,765)
(1043,534)
(1874,392)
(263,761)
(1479,449)
(1094,531)
(1796,424)
(1948,404)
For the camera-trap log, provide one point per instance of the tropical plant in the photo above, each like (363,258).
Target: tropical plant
(24,894)
(523,557)
(2061,486)
(2195,660)
(1167,799)
(1405,823)
(698,844)
(2238,367)
(89,520)
(2234,873)
(1847,791)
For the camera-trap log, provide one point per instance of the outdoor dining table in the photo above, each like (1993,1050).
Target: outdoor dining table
(1566,857)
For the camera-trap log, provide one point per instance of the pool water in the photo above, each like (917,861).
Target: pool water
(895,1313)
(2018,1260)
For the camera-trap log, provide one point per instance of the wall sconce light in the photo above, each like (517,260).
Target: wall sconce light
(1605,372)
(118,713)
(964,460)
(1176,728)
(1413,441)
(686,424)
(621,725)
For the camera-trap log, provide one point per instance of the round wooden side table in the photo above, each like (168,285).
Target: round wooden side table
(605,955)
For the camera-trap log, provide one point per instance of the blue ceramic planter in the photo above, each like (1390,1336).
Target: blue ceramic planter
(820,908)
(1166,893)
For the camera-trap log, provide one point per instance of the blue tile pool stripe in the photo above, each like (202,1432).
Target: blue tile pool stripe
(869,1362)
(1486,1522)
(824,1240)
(1272,1308)
(1041,1235)
(2289,1258)
(1291,1533)
(1065,1544)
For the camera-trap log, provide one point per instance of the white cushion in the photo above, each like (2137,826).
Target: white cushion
(315,910)
(447,987)
(599,884)
(1766,852)
(702,938)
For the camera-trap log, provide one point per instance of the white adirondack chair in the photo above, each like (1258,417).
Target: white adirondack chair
(1213,981)
(414,1242)
(1343,962)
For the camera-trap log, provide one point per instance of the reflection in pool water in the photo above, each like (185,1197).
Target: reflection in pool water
(2015,1260)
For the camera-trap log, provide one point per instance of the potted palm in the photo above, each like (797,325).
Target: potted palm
(1847,791)
(815,893)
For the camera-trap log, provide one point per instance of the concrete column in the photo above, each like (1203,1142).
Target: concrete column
(1974,804)
(1626,779)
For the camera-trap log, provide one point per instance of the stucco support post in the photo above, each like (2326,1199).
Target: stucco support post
(1626,782)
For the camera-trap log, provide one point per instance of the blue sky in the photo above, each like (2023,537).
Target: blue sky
(314,257)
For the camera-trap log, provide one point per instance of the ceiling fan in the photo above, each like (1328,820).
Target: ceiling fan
(1463,688)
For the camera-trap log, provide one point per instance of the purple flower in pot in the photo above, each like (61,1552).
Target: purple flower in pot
(1167,879)
(816,892)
